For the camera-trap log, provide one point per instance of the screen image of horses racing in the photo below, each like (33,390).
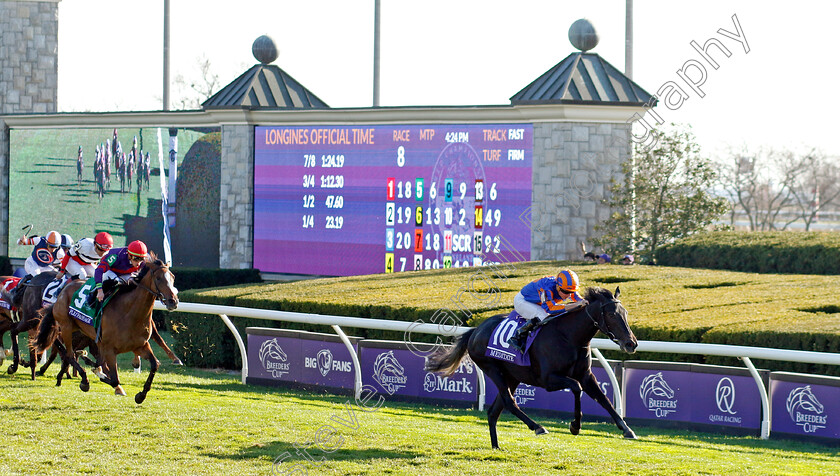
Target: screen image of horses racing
(83,181)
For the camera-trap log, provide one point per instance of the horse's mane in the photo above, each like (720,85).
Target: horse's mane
(596,293)
(150,259)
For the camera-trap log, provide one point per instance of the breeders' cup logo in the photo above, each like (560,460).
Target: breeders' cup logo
(273,359)
(324,362)
(725,400)
(524,393)
(654,385)
(388,371)
(324,359)
(805,410)
(436,383)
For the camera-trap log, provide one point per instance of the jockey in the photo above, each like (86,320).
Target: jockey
(119,264)
(550,295)
(82,259)
(46,251)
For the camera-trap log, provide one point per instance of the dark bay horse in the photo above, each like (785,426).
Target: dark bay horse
(28,302)
(560,358)
(126,323)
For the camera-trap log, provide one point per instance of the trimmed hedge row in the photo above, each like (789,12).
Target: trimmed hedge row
(664,303)
(783,252)
(199,278)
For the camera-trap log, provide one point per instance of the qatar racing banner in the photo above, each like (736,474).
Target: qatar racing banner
(805,405)
(394,370)
(527,396)
(299,357)
(692,393)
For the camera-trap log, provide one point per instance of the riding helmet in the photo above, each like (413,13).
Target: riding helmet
(137,248)
(567,280)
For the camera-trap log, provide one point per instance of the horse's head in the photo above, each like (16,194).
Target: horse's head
(610,317)
(160,281)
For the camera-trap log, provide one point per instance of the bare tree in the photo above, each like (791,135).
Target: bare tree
(190,94)
(818,187)
(773,189)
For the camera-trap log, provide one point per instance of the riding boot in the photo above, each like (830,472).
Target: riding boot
(520,337)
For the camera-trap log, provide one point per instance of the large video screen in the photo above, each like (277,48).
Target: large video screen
(50,188)
(349,200)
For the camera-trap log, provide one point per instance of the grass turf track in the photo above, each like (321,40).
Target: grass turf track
(206,422)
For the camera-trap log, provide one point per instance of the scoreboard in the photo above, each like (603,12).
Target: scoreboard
(350,200)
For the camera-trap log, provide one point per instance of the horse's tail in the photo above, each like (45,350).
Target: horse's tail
(447,363)
(47,330)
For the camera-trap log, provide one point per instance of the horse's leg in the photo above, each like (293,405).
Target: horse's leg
(109,369)
(591,387)
(136,363)
(66,350)
(493,414)
(43,369)
(146,352)
(510,405)
(159,340)
(558,382)
(13,333)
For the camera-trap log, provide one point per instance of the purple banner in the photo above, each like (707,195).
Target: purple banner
(527,397)
(400,372)
(696,397)
(348,200)
(301,360)
(807,409)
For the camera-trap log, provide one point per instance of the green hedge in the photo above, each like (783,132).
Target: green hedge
(198,278)
(784,252)
(664,303)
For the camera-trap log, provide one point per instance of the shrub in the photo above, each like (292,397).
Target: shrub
(759,252)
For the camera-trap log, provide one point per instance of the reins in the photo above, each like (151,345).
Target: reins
(159,295)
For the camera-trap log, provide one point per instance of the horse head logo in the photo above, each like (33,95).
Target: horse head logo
(656,385)
(324,359)
(388,371)
(270,351)
(802,398)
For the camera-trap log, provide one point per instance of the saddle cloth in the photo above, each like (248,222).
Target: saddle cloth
(8,285)
(498,347)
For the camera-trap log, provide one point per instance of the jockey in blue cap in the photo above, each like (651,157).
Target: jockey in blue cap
(550,295)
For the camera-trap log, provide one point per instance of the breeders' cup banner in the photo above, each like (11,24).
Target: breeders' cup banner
(722,399)
(394,370)
(319,359)
(805,405)
(527,396)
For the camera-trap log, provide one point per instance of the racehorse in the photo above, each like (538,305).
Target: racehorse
(126,323)
(560,358)
(147,169)
(27,301)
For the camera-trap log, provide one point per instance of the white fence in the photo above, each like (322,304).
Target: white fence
(741,352)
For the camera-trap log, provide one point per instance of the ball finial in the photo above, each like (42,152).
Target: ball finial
(583,35)
(264,49)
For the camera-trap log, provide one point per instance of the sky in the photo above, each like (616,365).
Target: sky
(473,52)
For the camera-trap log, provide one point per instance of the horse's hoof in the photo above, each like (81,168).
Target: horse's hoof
(40,373)
(540,431)
(629,435)
(177,362)
(137,370)
(138,399)
(12,369)
(574,429)
(118,390)
(85,386)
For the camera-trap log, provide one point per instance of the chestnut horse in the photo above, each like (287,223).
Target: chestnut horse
(126,323)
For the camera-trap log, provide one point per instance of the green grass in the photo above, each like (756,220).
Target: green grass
(44,191)
(207,422)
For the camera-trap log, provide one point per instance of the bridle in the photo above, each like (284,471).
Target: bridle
(157,294)
(603,328)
